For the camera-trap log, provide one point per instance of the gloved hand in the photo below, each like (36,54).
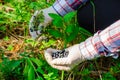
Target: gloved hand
(39,20)
(66,59)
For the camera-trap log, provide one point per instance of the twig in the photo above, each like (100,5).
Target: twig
(12,35)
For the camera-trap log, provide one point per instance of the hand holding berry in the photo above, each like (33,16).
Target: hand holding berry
(65,59)
(39,20)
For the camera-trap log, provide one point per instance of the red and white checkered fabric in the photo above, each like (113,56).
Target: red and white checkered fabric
(106,42)
(62,7)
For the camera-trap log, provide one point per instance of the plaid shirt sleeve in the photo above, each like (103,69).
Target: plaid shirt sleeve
(62,7)
(106,43)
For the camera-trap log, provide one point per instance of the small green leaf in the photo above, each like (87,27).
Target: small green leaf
(31,74)
(55,33)
(39,78)
(71,37)
(69,16)
(6,38)
(55,16)
(33,5)
(2,28)
(39,69)
(69,28)
(26,68)
(57,23)
(109,76)
(47,44)
(10,47)
(57,20)
(36,61)
(85,72)
(15,63)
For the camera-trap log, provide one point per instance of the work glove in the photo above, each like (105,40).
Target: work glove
(39,20)
(65,59)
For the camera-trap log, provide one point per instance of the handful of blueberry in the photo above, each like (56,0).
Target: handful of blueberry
(60,54)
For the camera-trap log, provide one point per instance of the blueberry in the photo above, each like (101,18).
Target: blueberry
(60,54)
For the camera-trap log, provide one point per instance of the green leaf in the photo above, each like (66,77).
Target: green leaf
(88,78)
(33,5)
(109,76)
(69,28)
(31,74)
(6,38)
(68,17)
(55,16)
(58,23)
(47,44)
(85,72)
(2,28)
(73,35)
(10,47)
(39,69)
(39,78)
(26,69)
(57,20)
(36,61)
(55,33)
(14,64)
(9,66)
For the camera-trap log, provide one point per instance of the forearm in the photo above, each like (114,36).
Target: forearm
(106,43)
(63,7)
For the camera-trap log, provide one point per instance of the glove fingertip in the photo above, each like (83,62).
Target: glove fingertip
(60,61)
(65,68)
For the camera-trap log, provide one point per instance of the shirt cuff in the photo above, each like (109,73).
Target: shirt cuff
(63,7)
(111,39)
(103,43)
(88,49)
